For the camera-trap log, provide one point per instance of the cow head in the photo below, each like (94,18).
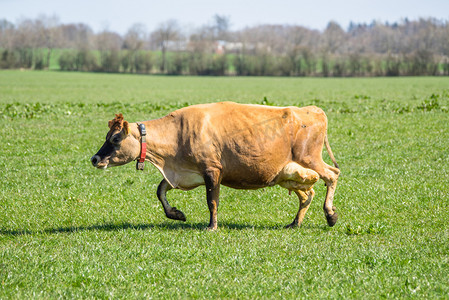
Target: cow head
(122,145)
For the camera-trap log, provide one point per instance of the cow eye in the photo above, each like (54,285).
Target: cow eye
(115,140)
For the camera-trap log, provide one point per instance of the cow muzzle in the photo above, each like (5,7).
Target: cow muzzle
(98,163)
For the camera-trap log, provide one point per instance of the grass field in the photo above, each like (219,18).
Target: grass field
(68,230)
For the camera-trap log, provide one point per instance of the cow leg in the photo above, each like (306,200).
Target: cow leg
(305,198)
(212,179)
(170,212)
(330,176)
(328,207)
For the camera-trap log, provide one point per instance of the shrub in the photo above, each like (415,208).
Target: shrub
(219,65)
(207,64)
(254,65)
(39,62)
(125,61)
(339,68)
(25,57)
(110,61)
(8,60)
(177,64)
(286,66)
(86,61)
(143,62)
(67,61)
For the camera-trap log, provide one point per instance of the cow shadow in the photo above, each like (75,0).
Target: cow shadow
(161,226)
(96,227)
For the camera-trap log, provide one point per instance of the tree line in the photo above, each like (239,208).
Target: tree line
(407,47)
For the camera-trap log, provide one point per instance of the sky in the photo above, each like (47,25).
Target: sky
(120,15)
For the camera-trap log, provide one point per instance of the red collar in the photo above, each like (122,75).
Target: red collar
(143,147)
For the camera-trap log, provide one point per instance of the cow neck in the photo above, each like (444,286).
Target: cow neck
(143,146)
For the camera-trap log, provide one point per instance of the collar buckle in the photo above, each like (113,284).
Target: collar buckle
(140,165)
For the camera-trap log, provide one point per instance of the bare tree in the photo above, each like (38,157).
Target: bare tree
(7,31)
(417,47)
(109,43)
(165,33)
(26,40)
(202,40)
(221,27)
(7,58)
(135,37)
(76,36)
(49,34)
(333,37)
(133,42)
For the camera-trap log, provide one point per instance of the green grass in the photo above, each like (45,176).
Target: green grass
(68,230)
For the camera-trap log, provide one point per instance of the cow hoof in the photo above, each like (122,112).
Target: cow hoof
(211,228)
(332,219)
(292,225)
(176,214)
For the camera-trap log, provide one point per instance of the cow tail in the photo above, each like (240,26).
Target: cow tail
(329,151)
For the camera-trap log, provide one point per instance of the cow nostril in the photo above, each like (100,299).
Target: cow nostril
(94,160)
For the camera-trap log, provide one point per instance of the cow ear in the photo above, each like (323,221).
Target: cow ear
(126,127)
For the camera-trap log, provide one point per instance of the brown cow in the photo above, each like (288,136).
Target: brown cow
(238,145)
